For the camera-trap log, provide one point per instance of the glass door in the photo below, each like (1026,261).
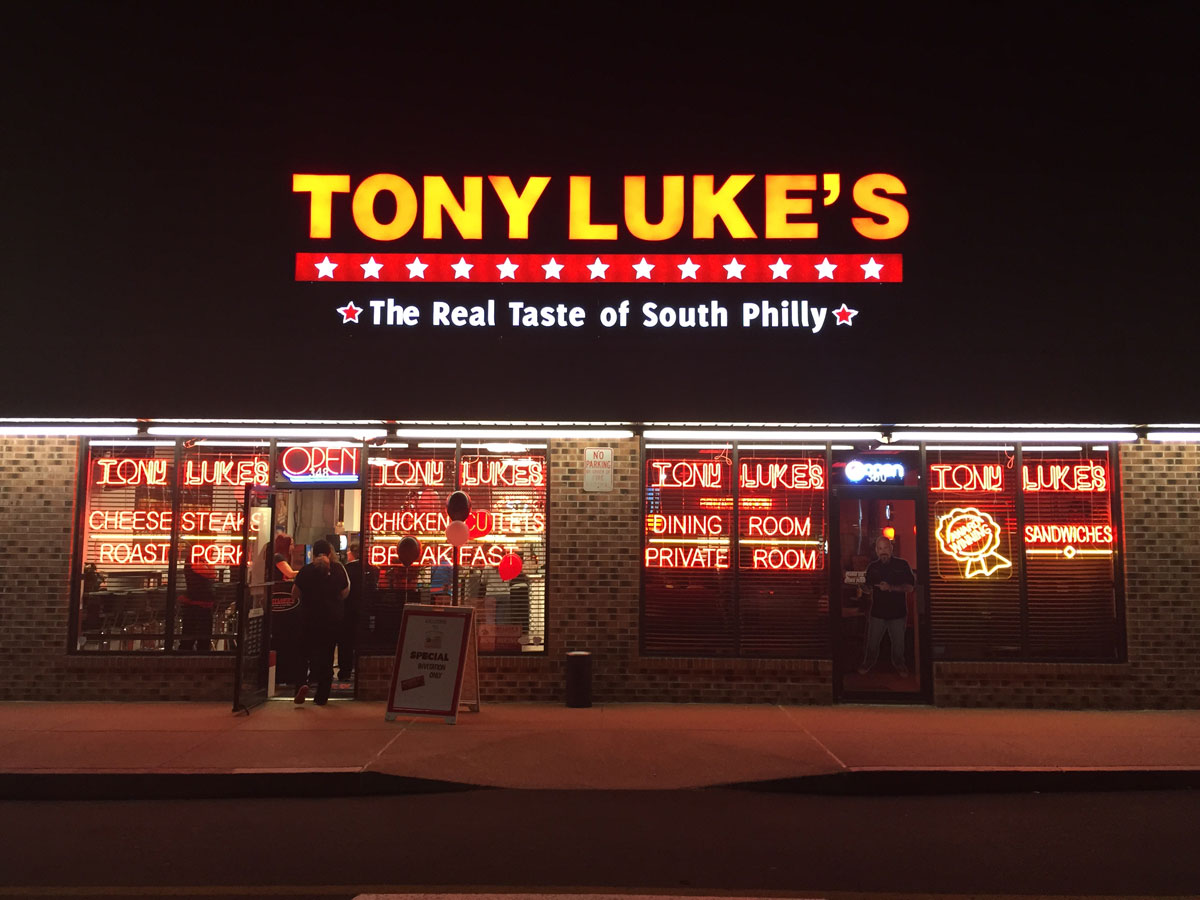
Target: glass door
(252,673)
(879,632)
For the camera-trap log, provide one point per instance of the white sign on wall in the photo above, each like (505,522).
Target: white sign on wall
(598,469)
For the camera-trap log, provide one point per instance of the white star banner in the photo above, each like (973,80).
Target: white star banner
(655,268)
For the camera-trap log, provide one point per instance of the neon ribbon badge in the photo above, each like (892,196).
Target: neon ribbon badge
(972,536)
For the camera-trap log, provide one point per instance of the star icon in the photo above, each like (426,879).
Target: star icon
(825,269)
(844,315)
(598,269)
(325,268)
(508,269)
(688,269)
(733,269)
(462,268)
(371,268)
(552,269)
(779,269)
(871,268)
(416,268)
(643,268)
(350,312)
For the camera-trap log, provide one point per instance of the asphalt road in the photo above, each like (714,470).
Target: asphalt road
(1125,844)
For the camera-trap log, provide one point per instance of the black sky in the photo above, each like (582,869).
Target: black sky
(149,224)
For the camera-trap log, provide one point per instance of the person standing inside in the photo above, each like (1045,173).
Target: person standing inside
(320,589)
(362,579)
(196,606)
(891,580)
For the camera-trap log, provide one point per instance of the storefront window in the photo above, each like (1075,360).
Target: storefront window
(975,554)
(501,570)
(212,484)
(704,594)
(1023,552)
(161,545)
(128,520)
(1070,552)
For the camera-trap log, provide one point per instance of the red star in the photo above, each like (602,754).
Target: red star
(350,312)
(845,314)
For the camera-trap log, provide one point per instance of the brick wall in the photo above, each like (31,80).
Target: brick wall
(592,604)
(1161,499)
(37,505)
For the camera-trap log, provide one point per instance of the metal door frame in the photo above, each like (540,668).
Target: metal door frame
(837,494)
(244,701)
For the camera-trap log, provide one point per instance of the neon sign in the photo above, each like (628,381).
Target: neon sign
(1068,534)
(412,473)
(433,522)
(231,472)
(132,472)
(791,558)
(791,475)
(316,465)
(687,557)
(133,554)
(779,526)
(788,211)
(683,473)
(1079,478)
(947,478)
(216,554)
(503,471)
(190,521)
(857,470)
(684,525)
(971,536)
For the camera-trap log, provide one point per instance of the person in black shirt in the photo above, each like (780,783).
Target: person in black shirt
(320,588)
(891,580)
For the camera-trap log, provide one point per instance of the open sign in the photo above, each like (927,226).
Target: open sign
(315,464)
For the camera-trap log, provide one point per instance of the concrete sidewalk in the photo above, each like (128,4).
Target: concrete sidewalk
(610,746)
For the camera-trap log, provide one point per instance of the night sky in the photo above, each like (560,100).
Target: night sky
(149,227)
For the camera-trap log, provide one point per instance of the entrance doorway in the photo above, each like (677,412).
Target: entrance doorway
(860,515)
(299,518)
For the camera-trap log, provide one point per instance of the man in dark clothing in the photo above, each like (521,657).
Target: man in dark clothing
(320,588)
(362,579)
(891,580)
(196,606)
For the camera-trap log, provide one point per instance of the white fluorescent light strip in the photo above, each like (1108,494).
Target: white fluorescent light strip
(899,447)
(776,426)
(1013,426)
(1008,448)
(1174,436)
(205,431)
(1018,436)
(515,434)
(246,443)
(436,446)
(132,443)
(726,436)
(69,430)
(725,445)
(479,423)
(780,446)
(337,423)
(1064,448)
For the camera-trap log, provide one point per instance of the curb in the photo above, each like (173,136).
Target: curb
(216,785)
(897,782)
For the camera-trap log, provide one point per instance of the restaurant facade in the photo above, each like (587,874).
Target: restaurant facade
(1055,566)
(681,522)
